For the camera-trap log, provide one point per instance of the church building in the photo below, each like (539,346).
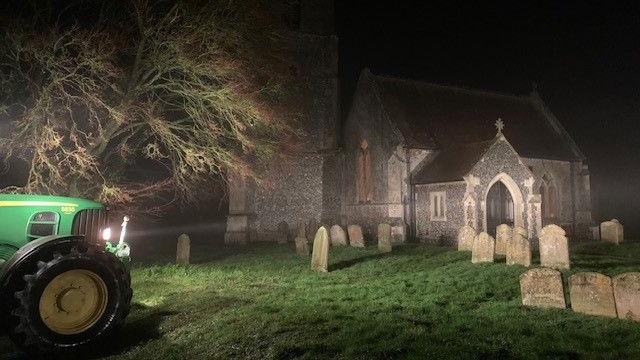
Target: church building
(426,158)
(430,159)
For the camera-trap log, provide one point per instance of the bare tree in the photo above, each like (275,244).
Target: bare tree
(185,90)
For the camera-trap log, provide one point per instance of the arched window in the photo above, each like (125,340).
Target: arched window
(364,181)
(549,197)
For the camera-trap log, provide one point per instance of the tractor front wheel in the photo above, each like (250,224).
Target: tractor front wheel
(72,299)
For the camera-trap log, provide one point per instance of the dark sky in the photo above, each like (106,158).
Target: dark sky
(584,56)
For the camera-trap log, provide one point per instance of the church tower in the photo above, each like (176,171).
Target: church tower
(305,187)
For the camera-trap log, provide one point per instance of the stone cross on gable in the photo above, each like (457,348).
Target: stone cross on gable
(499,125)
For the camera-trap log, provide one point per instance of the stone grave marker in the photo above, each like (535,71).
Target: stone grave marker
(626,291)
(519,248)
(355,236)
(592,294)
(554,247)
(503,237)
(338,236)
(283,233)
(465,238)
(183,252)
(302,246)
(384,238)
(542,287)
(612,231)
(320,255)
(484,247)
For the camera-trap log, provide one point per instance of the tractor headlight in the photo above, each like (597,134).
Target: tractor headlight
(106,234)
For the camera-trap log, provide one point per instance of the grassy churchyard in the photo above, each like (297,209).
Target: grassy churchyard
(263,302)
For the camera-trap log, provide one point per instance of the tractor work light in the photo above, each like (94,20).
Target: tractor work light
(106,234)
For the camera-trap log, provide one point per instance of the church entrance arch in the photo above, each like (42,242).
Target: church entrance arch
(503,204)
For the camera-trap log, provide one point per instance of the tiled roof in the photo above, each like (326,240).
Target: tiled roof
(451,164)
(433,116)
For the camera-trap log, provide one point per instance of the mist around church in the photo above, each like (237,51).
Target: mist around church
(291,192)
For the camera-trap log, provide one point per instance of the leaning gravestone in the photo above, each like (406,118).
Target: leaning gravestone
(484,247)
(183,252)
(384,238)
(592,294)
(519,248)
(465,238)
(320,255)
(626,291)
(503,237)
(542,287)
(338,236)
(612,231)
(554,247)
(355,236)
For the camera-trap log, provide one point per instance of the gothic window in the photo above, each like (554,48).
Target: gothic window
(549,197)
(438,200)
(364,180)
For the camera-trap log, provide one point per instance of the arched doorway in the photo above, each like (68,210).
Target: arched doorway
(508,203)
(500,208)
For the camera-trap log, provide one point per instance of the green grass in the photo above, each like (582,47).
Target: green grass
(420,302)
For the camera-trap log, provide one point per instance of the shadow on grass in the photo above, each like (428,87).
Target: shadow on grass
(143,328)
(348,263)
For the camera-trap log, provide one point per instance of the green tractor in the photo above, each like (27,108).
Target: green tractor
(63,283)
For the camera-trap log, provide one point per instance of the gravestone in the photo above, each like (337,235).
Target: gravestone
(519,248)
(612,231)
(320,255)
(302,246)
(484,247)
(355,236)
(338,236)
(554,247)
(592,294)
(183,252)
(626,291)
(542,287)
(503,237)
(465,238)
(384,238)
(283,233)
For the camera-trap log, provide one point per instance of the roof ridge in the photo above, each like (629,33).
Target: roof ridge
(457,88)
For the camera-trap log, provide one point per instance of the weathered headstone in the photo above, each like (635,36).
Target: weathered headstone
(626,291)
(519,248)
(384,238)
(612,231)
(542,287)
(338,236)
(465,238)
(554,247)
(503,237)
(592,294)
(302,246)
(355,236)
(320,255)
(183,252)
(283,233)
(484,247)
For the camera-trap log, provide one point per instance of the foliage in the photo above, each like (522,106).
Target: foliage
(418,302)
(122,101)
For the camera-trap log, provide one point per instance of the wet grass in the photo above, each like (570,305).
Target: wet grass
(263,302)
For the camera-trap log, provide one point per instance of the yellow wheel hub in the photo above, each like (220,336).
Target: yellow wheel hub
(73,302)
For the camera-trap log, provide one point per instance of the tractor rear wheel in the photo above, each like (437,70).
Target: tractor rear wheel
(73,298)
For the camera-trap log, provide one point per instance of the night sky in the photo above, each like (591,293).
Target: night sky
(584,57)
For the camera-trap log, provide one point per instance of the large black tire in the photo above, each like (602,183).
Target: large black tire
(26,327)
